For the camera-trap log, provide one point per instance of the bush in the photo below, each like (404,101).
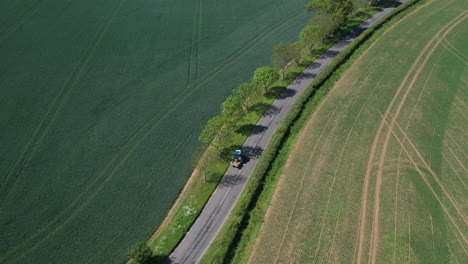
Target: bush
(141,253)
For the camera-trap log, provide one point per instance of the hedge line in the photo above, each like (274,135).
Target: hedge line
(222,248)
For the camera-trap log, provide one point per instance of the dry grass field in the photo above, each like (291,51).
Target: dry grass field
(380,172)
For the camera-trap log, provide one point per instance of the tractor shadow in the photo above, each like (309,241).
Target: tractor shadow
(251,153)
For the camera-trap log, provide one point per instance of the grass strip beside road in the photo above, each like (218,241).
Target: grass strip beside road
(196,193)
(237,237)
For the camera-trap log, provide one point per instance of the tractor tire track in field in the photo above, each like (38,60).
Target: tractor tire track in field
(194,48)
(452,50)
(242,50)
(287,226)
(426,180)
(375,224)
(455,156)
(179,147)
(309,161)
(23,18)
(399,161)
(341,156)
(399,158)
(33,143)
(362,225)
(462,245)
(369,67)
(37,136)
(454,171)
(433,174)
(360,234)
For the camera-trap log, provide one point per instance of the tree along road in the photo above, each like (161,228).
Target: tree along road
(220,204)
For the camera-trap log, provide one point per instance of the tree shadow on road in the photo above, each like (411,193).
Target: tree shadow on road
(251,129)
(230,180)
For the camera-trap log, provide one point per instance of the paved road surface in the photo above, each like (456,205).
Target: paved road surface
(215,212)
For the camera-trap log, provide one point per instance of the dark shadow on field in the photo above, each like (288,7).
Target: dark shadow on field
(230,180)
(287,93)
(251,129)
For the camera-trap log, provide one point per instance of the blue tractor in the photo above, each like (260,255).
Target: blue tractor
(237,158)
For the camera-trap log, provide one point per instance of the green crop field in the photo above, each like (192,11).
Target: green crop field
(101,104)
(379,173)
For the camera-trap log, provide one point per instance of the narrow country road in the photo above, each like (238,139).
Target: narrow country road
(218,207)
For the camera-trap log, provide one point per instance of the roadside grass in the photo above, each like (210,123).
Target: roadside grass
(195,194)
(418,222)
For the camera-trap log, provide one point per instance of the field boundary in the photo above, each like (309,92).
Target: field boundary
(235,240)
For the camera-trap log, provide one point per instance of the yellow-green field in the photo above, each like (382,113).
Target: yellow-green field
(379,174)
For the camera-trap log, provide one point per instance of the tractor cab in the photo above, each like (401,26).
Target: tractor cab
(237,158)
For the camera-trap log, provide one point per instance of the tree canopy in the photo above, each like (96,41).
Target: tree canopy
(339,10)
(265,76)
(312,35)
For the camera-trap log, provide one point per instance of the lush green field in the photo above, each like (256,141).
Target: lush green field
(379,173)
(100,108)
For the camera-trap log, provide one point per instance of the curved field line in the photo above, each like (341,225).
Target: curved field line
(332,247)
(343,150)
(301,184)
(454,49)
(37,136)
(434,175)
(23,18)
(230,59)
(399,157)
(461,101)
(375,224)
(453,254)
(454,171)
(396,207)
(43,236)
(421,173)
(195,33)
(450,49)
(377,137)
(372,45)
(455,142)
(433,239)
(456,236)
(455,156)
(460,111)
(143,203)
(198,41)
(299,140)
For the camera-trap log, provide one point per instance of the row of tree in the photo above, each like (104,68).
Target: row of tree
(329,15)
(220,128)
